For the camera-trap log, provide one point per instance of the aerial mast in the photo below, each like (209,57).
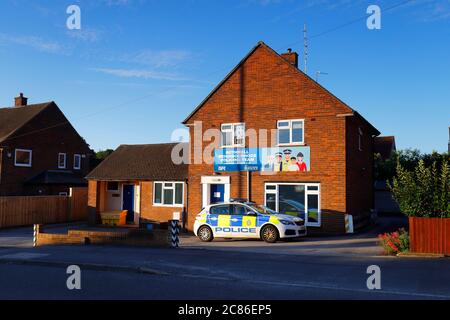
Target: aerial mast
(305,44)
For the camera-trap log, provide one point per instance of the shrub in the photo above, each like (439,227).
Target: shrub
(423,191)
(395,242)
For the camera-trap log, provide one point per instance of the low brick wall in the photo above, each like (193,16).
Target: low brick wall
(127,237)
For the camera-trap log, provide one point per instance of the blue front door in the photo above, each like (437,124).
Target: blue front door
(128,201)
(217,193)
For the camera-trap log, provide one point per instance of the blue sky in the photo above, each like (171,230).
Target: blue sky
(137,68)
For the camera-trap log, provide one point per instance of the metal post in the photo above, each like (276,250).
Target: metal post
(35,234)
(174,233)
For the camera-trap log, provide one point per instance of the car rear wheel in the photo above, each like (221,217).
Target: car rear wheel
(205,234)
(269,234)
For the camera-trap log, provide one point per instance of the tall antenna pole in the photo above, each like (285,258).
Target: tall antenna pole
(305,43)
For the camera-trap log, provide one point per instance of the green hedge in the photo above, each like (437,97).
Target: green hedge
(423,191)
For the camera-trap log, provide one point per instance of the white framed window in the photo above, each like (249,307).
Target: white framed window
(77,161)
(23,158)
(290,132)
(360,139)
(62,160)
(233,135)
(168,194)
(296,199)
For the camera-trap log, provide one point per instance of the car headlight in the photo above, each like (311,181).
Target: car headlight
(287,223)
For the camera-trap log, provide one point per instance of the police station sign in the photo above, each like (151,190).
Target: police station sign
(277,160)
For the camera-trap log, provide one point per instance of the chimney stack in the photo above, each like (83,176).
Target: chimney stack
(291,57)
(20,101)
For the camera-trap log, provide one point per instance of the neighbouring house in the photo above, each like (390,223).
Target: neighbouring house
(141,179)
(40,151)
(316,162)
(385,148)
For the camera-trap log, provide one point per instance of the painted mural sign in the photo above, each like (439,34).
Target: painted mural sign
(277,159)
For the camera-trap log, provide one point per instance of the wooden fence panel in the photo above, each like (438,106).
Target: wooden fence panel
(23,211)
(430,235)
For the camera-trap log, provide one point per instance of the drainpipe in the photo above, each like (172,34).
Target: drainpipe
(1,162)
(249,186)
(185,210)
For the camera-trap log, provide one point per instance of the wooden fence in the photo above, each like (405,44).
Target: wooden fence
(430,235)
(24,211)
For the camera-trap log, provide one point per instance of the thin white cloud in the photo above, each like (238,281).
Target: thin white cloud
(34,42)
(143,74)
(158,58)
(85,34)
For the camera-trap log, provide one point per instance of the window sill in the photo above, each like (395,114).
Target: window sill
(232,147)
(315,225)
(299,144)
(169,205)
(22,165)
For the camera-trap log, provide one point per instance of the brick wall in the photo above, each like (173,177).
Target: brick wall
(265,89)
(148,212)
(128,237)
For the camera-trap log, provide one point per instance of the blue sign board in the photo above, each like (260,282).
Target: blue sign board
(278,159)
(237,159)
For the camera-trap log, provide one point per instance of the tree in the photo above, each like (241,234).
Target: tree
(423,191)
(99,157)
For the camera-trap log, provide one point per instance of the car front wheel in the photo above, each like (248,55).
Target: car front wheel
(205,234)
(270,234)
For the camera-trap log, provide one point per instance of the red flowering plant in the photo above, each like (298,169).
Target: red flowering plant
(395,242)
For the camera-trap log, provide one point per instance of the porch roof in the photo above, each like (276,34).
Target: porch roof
(149,162)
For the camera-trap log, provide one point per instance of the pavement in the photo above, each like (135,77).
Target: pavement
(312,268)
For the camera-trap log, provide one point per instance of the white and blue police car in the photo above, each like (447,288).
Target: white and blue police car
(243,219)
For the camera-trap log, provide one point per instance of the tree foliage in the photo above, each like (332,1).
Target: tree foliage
(99,157)
(423,191)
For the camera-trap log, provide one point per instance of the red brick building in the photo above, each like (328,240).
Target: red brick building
(268,91)
(40,151)
(141,179)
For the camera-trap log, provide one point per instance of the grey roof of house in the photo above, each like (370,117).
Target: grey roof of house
(149,162)
(12,119)
(57,177)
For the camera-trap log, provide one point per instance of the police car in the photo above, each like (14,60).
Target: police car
(242,219)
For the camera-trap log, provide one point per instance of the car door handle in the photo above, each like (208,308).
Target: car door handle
(234,220)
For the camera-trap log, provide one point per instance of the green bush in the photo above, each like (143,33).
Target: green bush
(423,191)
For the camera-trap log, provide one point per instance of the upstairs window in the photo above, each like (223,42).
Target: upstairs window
(360,139)
(290,132)
(233,135)
(77,161)
(62,157)
(23,158)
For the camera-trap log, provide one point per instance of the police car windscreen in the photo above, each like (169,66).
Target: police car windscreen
(262,209)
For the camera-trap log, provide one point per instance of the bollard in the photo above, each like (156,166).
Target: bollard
(174,233)
(35,234)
